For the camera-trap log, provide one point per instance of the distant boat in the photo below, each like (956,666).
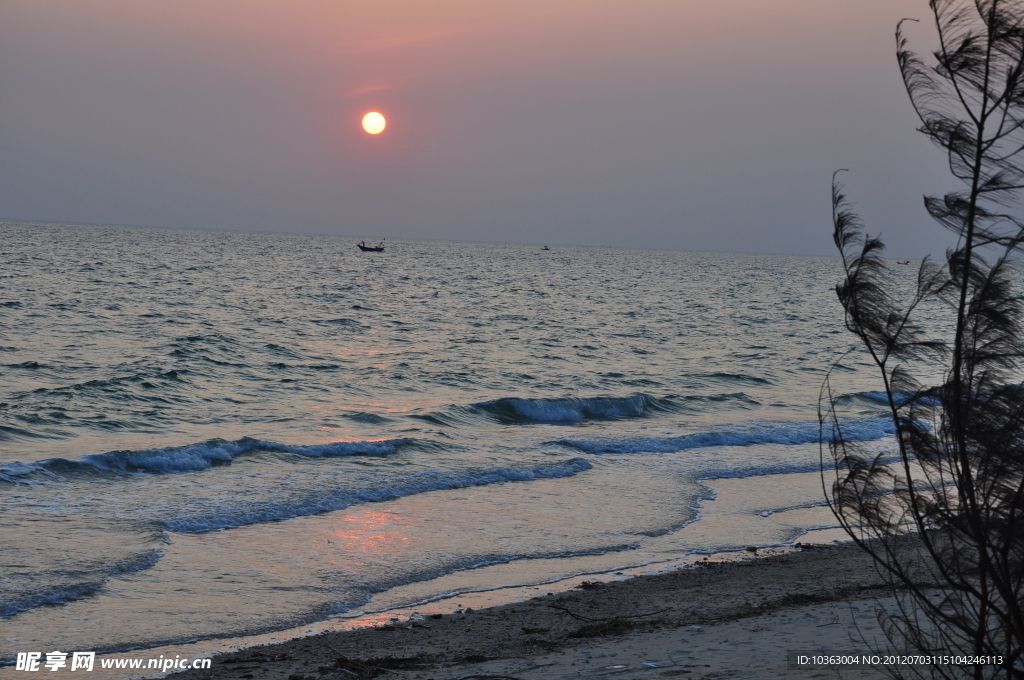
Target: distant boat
(379,248)
(902,261)
(545,248)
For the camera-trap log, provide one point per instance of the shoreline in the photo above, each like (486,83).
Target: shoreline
(731,509)
(646,613)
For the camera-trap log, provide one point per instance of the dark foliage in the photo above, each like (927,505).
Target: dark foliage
(945,522)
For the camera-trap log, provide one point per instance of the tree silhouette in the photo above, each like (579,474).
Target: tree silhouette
(943,515)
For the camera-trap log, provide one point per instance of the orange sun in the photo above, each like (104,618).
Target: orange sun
(374,123)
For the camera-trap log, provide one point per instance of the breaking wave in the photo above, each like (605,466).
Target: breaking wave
(227,516)
(194,456)
(792,433)
(12,603)
(572,409)
(879,398)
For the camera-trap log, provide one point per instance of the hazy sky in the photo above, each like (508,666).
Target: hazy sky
(685,124)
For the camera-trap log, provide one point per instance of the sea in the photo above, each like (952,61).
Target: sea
(214,435)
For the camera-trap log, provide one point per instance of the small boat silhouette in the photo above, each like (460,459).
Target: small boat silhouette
(379,248)
(545,248)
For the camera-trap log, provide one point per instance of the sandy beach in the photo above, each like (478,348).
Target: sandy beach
(716,619)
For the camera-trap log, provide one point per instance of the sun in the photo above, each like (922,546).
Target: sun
(374,123)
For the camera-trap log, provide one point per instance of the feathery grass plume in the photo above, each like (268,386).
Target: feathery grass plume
(945,523)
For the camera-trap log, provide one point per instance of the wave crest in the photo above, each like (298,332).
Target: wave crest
(12,603)
(793,433)
(339,499)
(194,456)
(572,409)
(879,398)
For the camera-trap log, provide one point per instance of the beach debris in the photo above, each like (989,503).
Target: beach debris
(258,657)
(590,585)
(834,622)
(697,629)
(648,664)
(752,548)
(535,631)
(579,617)
(372,668)
(604,628)
(614,625)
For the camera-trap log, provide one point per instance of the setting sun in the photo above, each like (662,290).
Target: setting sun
(374,123)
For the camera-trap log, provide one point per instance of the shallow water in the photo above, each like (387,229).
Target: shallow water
(221,434)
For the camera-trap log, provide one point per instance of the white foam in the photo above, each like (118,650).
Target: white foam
(790,433)
(339,499)
(198,456)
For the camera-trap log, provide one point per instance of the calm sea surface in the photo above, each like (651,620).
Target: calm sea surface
(219,434)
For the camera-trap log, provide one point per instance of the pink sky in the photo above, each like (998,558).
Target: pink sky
(681,124)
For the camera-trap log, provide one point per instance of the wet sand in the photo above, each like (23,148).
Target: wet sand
(716,619)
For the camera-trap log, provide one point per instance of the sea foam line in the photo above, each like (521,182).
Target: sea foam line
(227,517)
(195,456)
(901,398)
(11,605)
(792,433)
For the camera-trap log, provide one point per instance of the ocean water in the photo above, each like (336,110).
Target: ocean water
(210,435)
